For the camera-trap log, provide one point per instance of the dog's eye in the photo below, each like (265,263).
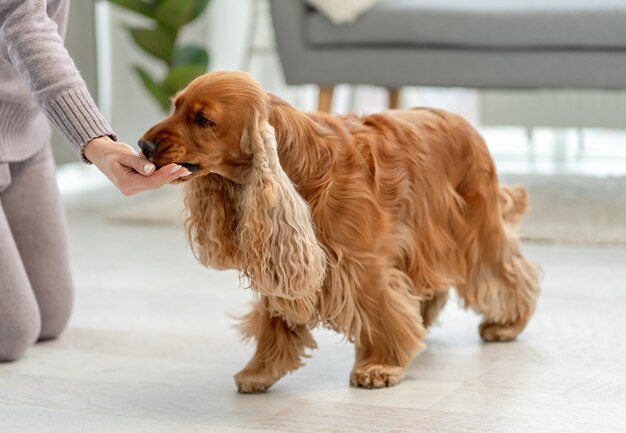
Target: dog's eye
(200,120)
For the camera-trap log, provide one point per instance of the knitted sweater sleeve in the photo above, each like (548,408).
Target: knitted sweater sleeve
(36,50)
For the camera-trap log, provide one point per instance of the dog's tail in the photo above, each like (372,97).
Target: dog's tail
(513,204)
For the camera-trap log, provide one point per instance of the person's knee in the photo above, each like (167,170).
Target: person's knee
(55,315)
(17,336)
(51,329)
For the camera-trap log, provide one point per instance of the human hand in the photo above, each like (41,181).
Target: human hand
(129,171)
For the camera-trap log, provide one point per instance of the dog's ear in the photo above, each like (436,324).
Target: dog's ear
(211,222)
(276,237)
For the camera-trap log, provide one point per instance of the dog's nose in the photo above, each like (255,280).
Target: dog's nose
(147,147)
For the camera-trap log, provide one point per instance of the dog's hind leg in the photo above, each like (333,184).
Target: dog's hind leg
(279,349)
(393,335)
(503,287)
(498,282)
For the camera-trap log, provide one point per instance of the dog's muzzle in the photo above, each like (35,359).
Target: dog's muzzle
(147,147)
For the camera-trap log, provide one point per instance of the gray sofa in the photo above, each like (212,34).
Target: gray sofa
(457,43)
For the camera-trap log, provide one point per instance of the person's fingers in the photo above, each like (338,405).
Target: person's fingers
(166,174)
(140,164)
(136,183)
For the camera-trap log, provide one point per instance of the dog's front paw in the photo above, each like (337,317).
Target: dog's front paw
(251,383)
(376,376)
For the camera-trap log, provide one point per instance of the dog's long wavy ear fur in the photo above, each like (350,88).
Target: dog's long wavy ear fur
(276,235)
(211,222)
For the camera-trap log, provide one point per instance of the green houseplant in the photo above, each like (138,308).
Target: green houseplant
(160,40)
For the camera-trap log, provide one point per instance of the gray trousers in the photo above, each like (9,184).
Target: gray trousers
(36,291)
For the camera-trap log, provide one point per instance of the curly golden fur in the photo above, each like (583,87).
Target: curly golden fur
(361,224)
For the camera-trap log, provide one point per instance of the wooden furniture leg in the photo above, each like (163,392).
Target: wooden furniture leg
(325,99)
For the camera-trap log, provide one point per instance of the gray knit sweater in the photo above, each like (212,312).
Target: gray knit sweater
(39,80)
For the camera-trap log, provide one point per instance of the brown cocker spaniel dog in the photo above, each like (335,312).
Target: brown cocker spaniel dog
(361,224)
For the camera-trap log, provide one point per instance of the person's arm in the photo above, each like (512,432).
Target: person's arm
(36,50)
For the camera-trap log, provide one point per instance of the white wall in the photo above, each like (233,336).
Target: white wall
(227,30)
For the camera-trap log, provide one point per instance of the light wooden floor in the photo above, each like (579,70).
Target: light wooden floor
(151,348)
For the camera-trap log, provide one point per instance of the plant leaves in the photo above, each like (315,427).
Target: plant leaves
(174,14)
(180,76)
(191,55)
(156,41)
(158,91)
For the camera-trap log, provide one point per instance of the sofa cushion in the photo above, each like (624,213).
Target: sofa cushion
(488,24)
